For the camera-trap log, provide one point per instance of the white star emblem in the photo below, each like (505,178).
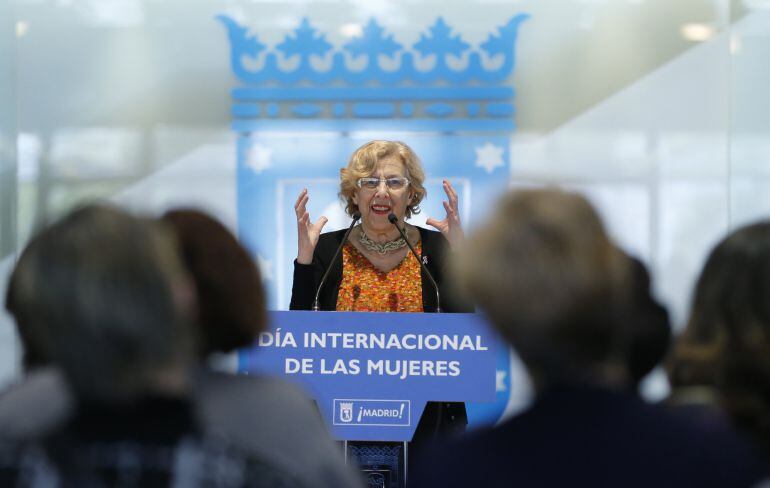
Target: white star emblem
(500,383)
(489,157)
(265,268)
(259,158)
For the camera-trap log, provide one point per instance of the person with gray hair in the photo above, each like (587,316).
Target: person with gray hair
(552,282)
(102,296)
(372,268)
(554,285)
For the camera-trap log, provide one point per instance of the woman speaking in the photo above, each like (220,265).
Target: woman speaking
(377,271)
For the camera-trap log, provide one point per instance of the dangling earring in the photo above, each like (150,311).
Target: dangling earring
(414,204)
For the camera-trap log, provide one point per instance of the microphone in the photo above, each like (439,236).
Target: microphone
(316,306)
(394,220)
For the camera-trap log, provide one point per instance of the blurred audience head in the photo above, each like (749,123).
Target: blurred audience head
(545,272)
(647,324)
(103,295)
(726,343)
(231,298)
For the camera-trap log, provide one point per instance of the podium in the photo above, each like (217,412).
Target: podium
(372,374)
(384,464)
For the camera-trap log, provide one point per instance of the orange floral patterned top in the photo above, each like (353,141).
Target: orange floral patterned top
(365,288)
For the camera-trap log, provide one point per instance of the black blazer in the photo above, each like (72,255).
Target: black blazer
(438,417)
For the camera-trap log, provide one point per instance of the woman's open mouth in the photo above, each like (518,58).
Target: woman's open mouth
(380,209)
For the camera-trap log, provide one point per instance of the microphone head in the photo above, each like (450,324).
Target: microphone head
(356,215)
(392,218)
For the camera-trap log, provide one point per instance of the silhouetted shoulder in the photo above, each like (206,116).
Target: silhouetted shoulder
(275,420)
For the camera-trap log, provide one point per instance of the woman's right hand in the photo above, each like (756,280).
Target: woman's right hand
(307,232)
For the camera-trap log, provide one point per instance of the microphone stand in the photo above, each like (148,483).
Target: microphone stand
(394,220)
(316,306)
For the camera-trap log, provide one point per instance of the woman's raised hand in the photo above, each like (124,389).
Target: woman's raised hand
(307,232)
(450,227)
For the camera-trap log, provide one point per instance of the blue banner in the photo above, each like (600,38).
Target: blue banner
(373,373)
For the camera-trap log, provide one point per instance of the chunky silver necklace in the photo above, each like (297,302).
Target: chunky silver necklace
(385,248)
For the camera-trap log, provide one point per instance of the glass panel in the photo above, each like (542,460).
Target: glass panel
(629,101)
(750,126)
(8,344)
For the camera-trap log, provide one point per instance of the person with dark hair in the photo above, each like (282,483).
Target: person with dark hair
(721,362)
(231,300)
(647,324)
(103,297)
(266,416)
(117,327)
(555,286)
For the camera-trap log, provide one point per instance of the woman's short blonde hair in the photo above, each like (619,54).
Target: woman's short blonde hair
(363,162)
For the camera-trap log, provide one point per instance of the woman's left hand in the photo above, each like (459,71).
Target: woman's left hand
(450,227)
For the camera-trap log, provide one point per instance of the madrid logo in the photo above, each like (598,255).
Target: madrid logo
(346,412)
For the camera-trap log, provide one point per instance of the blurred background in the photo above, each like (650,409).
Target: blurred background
(653,108)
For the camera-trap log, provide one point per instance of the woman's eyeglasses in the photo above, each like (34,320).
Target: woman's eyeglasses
(394,184)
